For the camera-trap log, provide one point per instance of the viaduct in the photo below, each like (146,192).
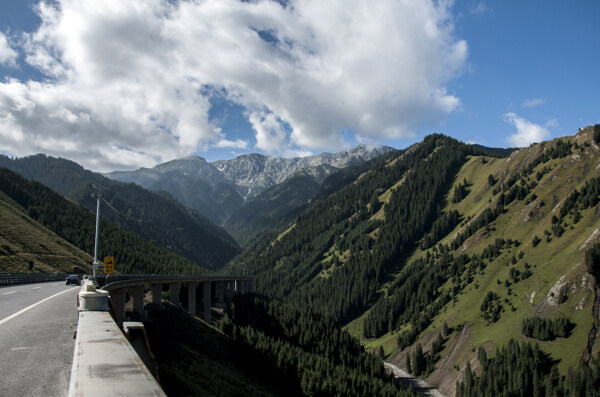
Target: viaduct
(104,361)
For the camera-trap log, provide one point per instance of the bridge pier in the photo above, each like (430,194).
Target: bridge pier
(220,294)
(174,289)
(156,293)
(206,293)
(137,293)
(229,290)
(191,287)
(117,300)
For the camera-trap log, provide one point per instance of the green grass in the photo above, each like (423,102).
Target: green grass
(28,247)
(549,261)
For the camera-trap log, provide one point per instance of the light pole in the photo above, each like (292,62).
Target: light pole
(95,264)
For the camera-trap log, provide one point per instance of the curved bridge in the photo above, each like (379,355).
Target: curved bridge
(104,361)
(217,289)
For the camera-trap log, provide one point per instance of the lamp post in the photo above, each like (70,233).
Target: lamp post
(95,264)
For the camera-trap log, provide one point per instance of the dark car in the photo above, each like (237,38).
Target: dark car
(73,279)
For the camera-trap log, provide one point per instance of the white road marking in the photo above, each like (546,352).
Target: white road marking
(20,348)
(8,293)
(32,306)
(54,285)
(36,287)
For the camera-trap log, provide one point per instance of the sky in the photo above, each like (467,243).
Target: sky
(118,85)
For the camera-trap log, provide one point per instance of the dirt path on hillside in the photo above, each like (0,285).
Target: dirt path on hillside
(419,386)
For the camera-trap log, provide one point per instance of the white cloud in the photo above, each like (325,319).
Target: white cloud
(138,75)
(531,103)
(270,133)
(227,144)
(527,132)
(8,56)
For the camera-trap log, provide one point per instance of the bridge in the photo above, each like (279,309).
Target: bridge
(103,359)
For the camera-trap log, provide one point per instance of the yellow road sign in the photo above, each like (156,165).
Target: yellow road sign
(109,265)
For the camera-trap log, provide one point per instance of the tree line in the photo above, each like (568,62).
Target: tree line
(523,369)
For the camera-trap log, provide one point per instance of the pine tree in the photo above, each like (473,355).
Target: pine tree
(482,356)
(419,363)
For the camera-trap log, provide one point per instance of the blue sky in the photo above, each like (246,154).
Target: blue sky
(119,85)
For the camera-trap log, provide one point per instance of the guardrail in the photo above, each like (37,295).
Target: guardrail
(104,362)
(221,288)
(21,278)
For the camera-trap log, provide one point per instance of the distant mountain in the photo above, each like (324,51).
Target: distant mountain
(151,215)
(254,173)
(218,189)
(273,208)
(193,182)
(437,255)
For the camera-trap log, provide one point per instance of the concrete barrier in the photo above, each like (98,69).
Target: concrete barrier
(104,362)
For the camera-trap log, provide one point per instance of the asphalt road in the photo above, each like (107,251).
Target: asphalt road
(37,322)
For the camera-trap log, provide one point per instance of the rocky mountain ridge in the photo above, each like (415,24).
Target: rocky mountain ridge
(219,188)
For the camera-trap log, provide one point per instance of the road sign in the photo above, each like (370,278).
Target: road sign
(109,265)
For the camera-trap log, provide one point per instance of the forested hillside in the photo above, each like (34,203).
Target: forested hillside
(278,206)
(339,252)
(443,249)
(28,247)
(153,216)
(272,209)
(76,225)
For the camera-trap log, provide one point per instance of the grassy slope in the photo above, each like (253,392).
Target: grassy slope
(28,247)
(549,261)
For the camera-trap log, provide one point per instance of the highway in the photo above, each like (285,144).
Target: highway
(37,322)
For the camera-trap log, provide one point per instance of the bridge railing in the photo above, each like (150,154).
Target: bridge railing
(21,278)
(217,289)
(104,362)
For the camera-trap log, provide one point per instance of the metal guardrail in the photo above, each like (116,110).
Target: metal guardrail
(21,278)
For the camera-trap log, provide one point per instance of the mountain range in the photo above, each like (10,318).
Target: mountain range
(154,216)
(218,189)
(42,231)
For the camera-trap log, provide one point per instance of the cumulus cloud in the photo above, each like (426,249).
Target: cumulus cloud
(531,103)
(527,132)
(8,56)
(129,83)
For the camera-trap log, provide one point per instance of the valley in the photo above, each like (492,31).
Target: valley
(436,258)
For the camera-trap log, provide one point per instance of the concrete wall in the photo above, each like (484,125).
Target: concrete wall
(104,362)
